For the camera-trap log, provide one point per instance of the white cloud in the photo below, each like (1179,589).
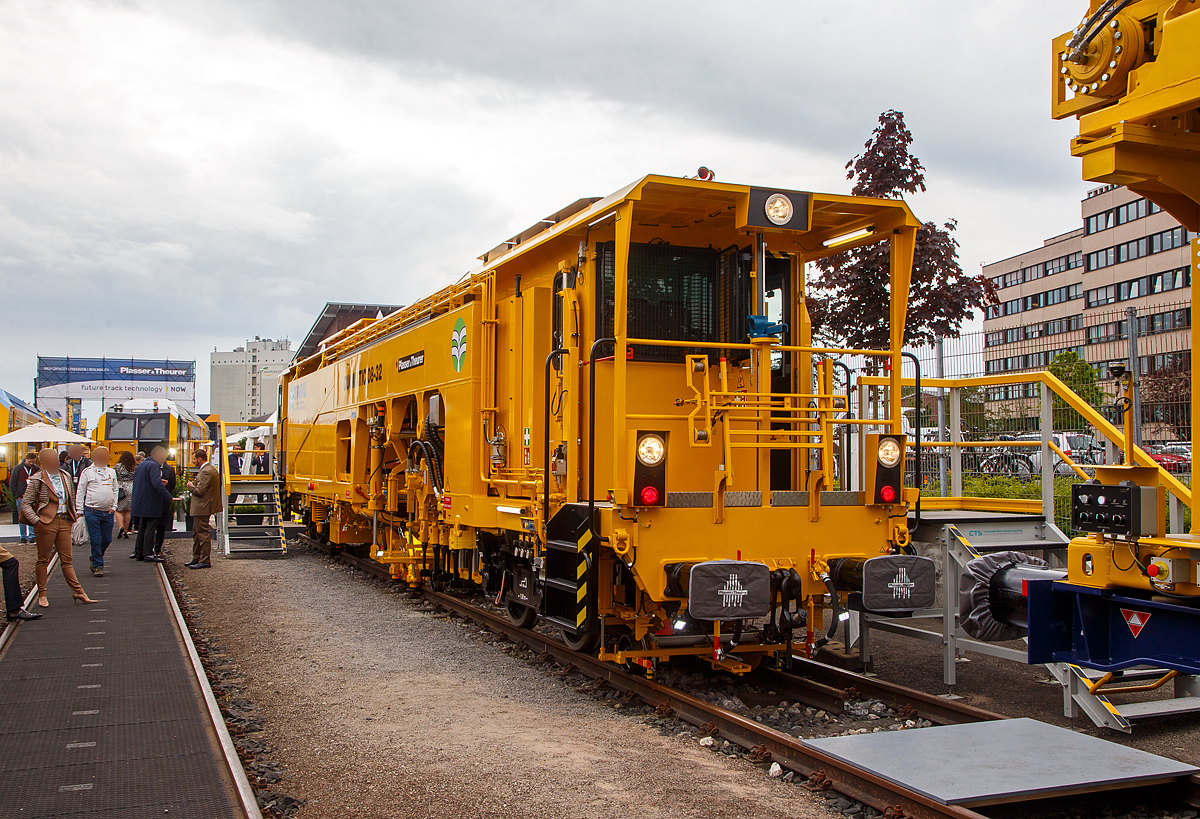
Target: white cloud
(180,176)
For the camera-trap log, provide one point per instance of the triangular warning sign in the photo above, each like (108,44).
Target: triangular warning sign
(1136,620)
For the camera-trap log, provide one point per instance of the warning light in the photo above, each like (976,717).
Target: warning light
(704,174)
(649,495)
(887,494)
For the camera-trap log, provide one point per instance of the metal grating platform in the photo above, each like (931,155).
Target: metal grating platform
(990,763)
(102,716)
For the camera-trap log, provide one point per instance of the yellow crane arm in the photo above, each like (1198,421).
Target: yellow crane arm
(1131,73)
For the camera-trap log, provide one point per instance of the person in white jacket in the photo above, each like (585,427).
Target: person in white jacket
(96,501)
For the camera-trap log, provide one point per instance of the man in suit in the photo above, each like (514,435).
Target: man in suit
(206,501)
(260,463)
(17,482)
(75,463)
(150,495)
(166,522)
(235,466)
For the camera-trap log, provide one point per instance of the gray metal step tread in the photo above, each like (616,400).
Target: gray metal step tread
(1018,546)
(1129,675)
(1135,711)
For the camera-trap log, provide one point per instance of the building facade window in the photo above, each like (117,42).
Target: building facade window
(1130,211)
(1137,248)
(1163,282)
(1037,271)
(1044,299)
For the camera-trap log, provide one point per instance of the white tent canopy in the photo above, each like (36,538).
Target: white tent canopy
(264,433)
(43,433)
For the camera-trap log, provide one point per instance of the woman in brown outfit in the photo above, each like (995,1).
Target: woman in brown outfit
(50,509)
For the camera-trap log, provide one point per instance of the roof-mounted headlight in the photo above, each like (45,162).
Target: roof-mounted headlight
(778,209)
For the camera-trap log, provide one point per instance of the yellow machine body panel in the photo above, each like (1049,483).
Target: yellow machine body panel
(447,438)
(14,416)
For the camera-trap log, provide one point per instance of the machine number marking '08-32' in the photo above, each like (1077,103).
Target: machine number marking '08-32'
(367,375)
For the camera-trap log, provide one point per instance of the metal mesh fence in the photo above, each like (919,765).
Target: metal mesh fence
(1086,352)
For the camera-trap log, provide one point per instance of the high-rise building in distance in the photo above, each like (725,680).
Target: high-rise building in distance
(243,383)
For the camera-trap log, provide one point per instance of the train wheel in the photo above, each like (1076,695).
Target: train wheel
(578,642)
(521,616)
(627,643)
(751,658)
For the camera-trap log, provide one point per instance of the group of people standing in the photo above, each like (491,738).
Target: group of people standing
(52,493)
(50,505)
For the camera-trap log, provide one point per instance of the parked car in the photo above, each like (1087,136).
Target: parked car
(1080,447)
(1169,460)
(1183,450)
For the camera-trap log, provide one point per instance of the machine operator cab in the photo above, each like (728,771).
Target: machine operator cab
(140,424)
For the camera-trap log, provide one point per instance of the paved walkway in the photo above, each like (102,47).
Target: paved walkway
(100,714)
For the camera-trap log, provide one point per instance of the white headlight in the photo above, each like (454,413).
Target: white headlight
(651,450)
(889,452)
(779,209)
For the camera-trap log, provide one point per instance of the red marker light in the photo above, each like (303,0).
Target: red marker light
(311,487)
(649,495)
(887,494)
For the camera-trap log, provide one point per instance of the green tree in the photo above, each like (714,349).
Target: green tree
(1167,398)
(850,300)
(1080,376)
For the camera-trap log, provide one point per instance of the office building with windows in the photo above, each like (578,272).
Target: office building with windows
(1074,293)
(243,383)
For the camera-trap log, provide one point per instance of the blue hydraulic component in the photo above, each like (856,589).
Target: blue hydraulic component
(761,327)
(1107,631)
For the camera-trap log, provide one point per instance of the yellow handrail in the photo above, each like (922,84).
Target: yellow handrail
(1067,460)
(1102,425)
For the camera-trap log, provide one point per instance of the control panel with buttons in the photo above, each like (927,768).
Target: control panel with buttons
(1122,509)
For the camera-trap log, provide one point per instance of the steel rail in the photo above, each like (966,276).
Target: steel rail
(816,684)
(807,762)
(246,796)
(821,686)
(928,706)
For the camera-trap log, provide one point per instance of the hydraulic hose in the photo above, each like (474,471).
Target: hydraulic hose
(434,440)
(546,452)
(425,450)
(831,632)
(1089,28)
(845,465)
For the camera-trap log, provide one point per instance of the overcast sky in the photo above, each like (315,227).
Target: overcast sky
(179,176)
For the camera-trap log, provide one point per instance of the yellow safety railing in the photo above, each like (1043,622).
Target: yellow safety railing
(1102,425)
(766,420)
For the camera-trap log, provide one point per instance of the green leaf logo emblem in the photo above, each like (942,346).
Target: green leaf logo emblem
(458,346)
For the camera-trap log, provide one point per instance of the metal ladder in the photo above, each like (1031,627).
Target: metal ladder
(1082,693)
(254,534)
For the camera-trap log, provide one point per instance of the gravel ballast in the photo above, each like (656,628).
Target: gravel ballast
(371,707)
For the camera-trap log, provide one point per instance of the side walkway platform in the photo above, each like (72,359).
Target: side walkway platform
(101,710)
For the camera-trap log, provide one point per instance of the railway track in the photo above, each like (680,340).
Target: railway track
(809,682)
